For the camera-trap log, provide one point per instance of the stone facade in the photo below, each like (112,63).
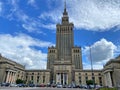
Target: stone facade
(111,72)
(64,58)
(37,76)
(10,70)
(81,76)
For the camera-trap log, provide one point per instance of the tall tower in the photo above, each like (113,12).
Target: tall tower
(64,37)
(64,58)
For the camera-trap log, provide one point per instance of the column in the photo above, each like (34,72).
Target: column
(63,78)
(105,75)
(10,77)
(109,80)
(13,80)
(13,77)
(57,78)
(8,74)
(66,78)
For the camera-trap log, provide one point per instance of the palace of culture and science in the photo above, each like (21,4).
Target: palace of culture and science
(64,64)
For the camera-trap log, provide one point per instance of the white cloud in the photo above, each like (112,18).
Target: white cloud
(89,14)
(54,16)
(29,23)
(100,52)
(20,48)
(96,66)
(32,3)
(0,8)
(117,51)
(96,14)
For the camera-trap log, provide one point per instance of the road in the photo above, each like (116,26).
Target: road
(37,88)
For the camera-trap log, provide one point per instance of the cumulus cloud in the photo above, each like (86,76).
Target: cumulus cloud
(21,48)
(96,14)
(90,14)
(117,51)
(100,52)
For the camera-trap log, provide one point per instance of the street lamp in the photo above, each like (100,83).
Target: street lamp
(91,66)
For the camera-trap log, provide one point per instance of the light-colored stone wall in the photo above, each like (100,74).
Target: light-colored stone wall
(81,76)
(63,68)
(77,58)
(37,76)
(111,72)
(10,71)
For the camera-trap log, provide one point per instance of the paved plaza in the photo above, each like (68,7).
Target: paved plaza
(37,88)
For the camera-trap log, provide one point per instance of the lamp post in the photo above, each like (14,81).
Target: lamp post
(91,65)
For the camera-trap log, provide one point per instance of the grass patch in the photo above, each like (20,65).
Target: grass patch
(108,89)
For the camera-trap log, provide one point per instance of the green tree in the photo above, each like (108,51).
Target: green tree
(18,81)
(89,82)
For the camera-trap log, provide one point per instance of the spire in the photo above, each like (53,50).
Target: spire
(65,6)
(65,12)
(65,18)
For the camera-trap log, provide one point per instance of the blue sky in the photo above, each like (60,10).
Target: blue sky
(28,28)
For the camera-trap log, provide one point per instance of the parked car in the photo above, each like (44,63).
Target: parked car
(31,85)
(5,84)
(42,85)
(21,85)
(38,85)
(85,86)
(53,85)
(71,86)
(59,85)
(48,85)
(65,86)
(13,85)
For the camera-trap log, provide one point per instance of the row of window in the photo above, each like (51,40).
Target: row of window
(92,74)
(93,78)
(52,51)
(34,73)
(20,72)
(76,51)
(38,78)
(100,78)
(67,29)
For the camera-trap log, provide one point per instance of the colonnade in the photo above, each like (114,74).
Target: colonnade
(108,79)
(62,78)
(10,76)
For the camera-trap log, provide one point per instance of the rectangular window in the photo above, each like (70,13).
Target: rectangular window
(43,79)
(31,77)
(86,78)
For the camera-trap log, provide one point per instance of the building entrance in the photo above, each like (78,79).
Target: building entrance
(62,78)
